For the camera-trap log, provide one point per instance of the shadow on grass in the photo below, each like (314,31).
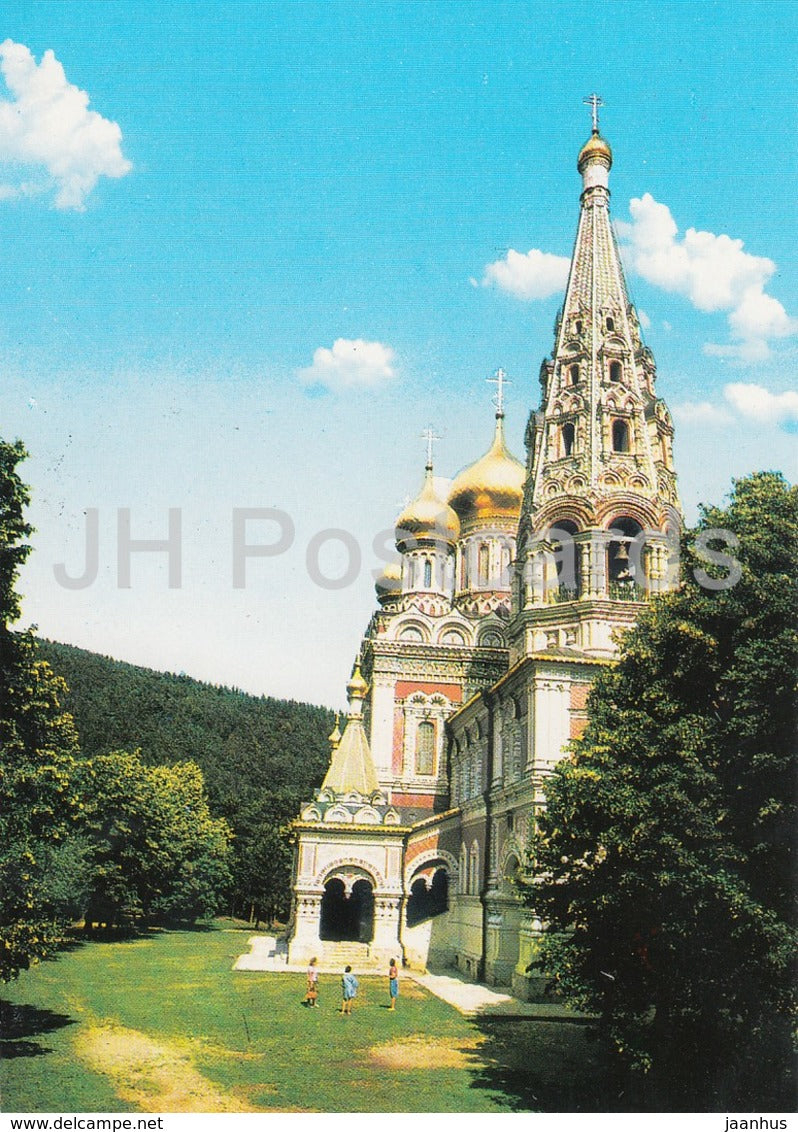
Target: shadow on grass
(19,1023)
(545,1065)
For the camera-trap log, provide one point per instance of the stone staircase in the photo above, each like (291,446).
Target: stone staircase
(337,955)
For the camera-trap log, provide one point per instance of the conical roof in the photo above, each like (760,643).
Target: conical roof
(351,769)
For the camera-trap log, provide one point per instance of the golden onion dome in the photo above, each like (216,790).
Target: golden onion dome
(427,519)
(594,147)
(492,488)
(334,738)
(389,581)
(357,687)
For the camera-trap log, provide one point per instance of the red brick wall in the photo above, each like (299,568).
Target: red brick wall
(398,740)
(579,694)
(419,801)
(578,725)
(405,688)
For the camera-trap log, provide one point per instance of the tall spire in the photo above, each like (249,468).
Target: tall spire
(599,406)
(599,450)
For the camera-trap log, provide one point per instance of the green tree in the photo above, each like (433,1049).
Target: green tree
(198,872)
(155,851)
(666,849)
(38,744)
(264,857)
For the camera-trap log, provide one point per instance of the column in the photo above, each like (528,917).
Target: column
(305,942)
(385,944)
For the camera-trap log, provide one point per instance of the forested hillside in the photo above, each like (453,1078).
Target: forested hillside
(244,744)
(260,757)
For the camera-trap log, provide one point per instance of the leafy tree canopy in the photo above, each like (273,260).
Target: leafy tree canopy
(666,850)
(38,744)
(155,851)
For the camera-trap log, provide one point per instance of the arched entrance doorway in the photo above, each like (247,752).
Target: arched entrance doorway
(347,916)
(428,897)
(426,930)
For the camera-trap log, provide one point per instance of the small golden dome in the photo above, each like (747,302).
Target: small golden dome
(492,488)
(594,147)
(357,687)
(334,738)
(428,518)
(389,580)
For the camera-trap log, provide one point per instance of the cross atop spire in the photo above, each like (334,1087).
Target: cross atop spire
(499,379)
(594,101)
(429,435)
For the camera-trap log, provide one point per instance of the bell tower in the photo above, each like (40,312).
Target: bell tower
(600,499)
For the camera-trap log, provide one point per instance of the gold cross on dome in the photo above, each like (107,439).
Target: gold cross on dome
(499,379)
(429,435)
(594,101)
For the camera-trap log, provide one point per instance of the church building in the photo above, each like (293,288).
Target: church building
(473,674)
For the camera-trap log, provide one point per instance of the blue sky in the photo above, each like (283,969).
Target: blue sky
(271,242)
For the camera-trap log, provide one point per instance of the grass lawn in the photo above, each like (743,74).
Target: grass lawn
(162,1024)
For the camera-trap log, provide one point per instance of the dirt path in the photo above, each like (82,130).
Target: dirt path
(420,1052)
(152,1076)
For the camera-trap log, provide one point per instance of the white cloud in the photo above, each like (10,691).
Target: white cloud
(47,126)
(645,321)
(702,413)
(760,405)
(535,275)
(350,364)
(751,402)
(713,272)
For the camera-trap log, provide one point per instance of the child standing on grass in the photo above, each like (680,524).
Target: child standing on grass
(349,985)
(312,996)
(393,983)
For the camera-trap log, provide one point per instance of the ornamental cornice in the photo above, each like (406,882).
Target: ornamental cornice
(503,798)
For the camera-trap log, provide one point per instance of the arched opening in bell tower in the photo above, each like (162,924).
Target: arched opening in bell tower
(566,560)
(620,436)
(623,558)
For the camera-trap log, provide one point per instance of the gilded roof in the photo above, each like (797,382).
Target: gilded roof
(351,769)
(595,146)
(428,517)
(491,488)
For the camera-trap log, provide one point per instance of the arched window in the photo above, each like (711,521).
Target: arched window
(579,326)
(568,433)
(425,748)
(615,371)
(574,374)
(566,558)
(427,574)
(610,324)
(483,563)
(620,436)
